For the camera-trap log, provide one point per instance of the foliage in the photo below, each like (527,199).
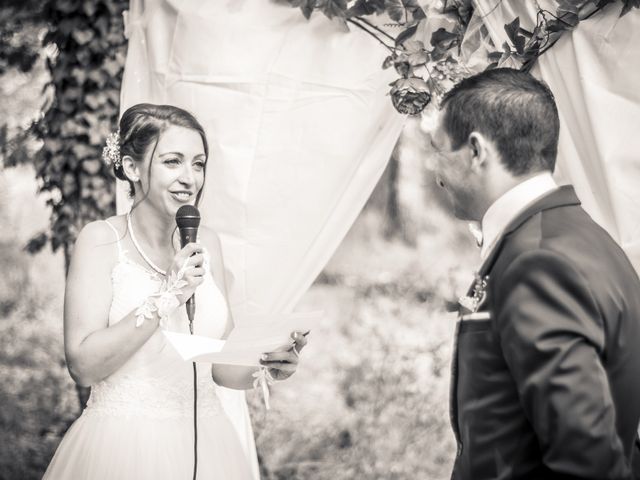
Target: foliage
(19,48)
(20,55)
(425,69)
(526,46)
(86,77)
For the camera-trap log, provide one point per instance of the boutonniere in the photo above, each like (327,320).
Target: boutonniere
(478,296)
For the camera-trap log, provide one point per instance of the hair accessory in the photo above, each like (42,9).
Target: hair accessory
(111,152)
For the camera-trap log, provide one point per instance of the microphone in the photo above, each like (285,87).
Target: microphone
(188,221)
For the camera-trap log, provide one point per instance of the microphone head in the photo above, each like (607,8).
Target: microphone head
(188,216)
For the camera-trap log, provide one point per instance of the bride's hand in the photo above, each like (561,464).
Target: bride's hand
(190,259)
(284,361)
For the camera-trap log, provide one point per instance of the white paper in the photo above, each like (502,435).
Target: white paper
(245,344)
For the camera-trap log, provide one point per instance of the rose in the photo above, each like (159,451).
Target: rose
(410,95)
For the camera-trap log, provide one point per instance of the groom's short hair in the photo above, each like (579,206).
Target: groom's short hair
(512,108)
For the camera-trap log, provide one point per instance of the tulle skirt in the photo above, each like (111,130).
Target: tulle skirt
(99,446)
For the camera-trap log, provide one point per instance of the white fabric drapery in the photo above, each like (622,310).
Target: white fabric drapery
(594,75)
(299,126)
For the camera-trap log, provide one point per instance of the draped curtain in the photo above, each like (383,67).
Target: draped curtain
(299,126)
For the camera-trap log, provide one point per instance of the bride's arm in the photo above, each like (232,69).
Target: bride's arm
(283,363)
(93,349)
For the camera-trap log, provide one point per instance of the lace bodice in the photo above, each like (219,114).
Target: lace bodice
(155,381)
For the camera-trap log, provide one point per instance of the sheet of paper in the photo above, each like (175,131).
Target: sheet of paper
(246,343)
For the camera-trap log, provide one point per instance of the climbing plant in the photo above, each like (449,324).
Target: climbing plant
(86,75)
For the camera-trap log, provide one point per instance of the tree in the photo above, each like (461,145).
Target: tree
(85,78)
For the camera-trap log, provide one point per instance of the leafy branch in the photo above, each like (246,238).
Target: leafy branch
(425,70)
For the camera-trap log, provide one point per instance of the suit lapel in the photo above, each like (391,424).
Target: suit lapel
(562,196)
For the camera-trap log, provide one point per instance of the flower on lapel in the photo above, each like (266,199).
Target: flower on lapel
(472,302)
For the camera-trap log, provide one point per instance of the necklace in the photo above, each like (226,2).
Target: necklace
(140,251)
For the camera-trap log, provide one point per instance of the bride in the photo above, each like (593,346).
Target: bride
(126,284)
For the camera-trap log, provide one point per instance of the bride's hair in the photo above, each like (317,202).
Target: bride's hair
(141,126)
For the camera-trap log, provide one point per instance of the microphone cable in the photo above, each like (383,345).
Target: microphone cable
(187,222)
(195,410)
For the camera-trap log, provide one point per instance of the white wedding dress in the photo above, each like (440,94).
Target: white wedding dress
(138,423)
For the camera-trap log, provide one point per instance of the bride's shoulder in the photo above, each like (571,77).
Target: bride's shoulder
(102,232)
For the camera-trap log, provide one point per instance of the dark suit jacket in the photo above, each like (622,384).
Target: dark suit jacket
(548,387)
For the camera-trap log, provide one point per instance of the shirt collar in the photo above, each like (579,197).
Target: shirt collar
(509,205)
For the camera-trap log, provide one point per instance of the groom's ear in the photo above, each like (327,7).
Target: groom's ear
(479,150)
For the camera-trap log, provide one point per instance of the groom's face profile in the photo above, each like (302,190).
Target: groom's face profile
(454,173)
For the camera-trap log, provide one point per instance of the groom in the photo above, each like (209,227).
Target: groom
(546,369)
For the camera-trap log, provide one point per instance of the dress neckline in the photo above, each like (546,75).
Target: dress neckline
(140,250)
(124,259)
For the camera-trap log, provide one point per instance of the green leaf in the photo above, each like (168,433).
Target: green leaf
(82,36)
(506,53)
(406,34)
(402,66)
(89,8)
(418,14)
(362,8)
(82,151)
(443,39)
(519,44)
(335,8)
(37,243)
(387,62)
(512,29)
(307,7)
(418,58)
(66,6)
(413,46)
(395,10)
(112,67)
(95,100)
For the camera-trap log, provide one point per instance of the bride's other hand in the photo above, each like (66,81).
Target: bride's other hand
(191,260)
(283,362)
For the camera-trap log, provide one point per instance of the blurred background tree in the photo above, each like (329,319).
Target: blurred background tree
(83,45)
(73,53)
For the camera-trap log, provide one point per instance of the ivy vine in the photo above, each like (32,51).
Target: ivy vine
(86,76)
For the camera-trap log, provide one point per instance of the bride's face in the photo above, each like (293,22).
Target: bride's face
(175,174)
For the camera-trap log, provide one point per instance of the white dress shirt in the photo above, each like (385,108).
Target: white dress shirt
(509,205)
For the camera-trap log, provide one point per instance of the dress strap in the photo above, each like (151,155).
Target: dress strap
(117,236)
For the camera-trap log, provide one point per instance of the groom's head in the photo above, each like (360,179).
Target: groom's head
(495,129)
